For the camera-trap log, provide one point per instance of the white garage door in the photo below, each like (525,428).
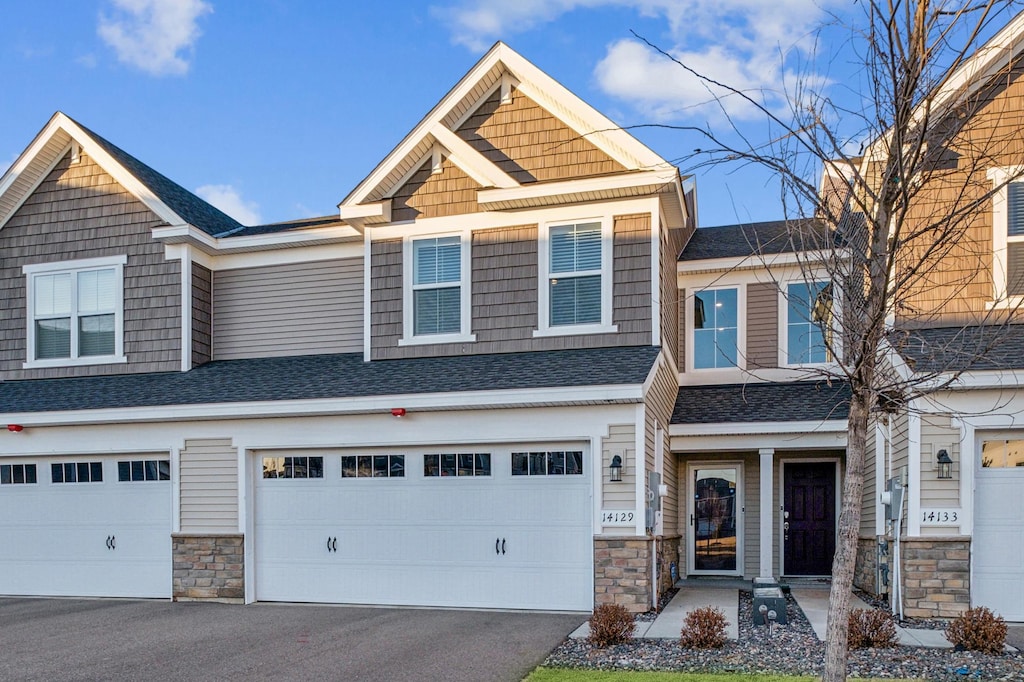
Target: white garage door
(442,528)
(997,579)
(97,527)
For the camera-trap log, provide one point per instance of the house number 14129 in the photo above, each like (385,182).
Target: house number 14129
(613,517)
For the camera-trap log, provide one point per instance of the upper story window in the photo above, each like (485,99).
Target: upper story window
(437,296)
(75,312)
(1015,239)
(576,288)
(716,329)
(808,311)
(1007,233)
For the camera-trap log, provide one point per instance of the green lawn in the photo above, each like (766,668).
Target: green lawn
(571,675)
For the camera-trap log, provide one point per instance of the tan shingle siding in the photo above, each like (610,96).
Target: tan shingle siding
(530,144)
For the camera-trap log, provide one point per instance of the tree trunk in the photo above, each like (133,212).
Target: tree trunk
(846,546)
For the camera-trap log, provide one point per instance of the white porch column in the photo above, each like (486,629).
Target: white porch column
(767,506)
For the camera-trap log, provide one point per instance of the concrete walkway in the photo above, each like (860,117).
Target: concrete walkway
(669,622)
(814,603)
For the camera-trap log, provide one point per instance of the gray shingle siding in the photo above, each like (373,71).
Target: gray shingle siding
(80,212)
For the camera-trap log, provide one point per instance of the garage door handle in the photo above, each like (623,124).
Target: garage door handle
(334,544)
(113,542)
(497,544)
(503,545)
(108,542)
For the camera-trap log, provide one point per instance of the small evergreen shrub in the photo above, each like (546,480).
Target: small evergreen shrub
(703,628)
(871,628)
(611,624)
(978,629)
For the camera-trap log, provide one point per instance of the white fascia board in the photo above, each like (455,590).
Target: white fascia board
(653,181)
(758,261)
(727,428)
(477,166)
(378,211)
(187,234)
(982,379)
(426,402)
(491,219)
(711,443)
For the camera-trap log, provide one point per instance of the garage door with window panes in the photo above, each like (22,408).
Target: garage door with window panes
(997,551)
(86,526)
(461,526)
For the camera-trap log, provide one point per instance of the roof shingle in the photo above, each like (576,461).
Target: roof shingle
(767,402)
(738,241)
(332,376)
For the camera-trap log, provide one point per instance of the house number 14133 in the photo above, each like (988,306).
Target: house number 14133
(939,517)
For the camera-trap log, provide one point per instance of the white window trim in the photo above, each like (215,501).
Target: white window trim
(74,266)
(465,294)
(784,325)
(1000,225)
(741,330)
(544,327)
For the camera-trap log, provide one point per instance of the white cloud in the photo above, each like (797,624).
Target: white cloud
(742,43)
(227,199)
(151,35)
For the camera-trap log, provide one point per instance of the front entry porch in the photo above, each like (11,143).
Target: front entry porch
(768,513)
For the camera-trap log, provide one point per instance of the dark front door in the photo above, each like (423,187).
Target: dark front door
(809,517)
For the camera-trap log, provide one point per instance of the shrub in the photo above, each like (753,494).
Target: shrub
(611,624)
(978,629)
(871,628)
(703,628)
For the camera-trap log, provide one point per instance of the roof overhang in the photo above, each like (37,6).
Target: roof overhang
(418,402)
(186,234)
(748,436)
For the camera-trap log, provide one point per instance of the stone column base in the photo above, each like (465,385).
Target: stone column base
(622,572)
(208,567)
(936,576)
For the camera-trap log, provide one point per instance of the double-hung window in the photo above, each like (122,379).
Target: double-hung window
(715,329)
(808,322)
(437,296)
(1007,234)
(1015,239)
(575,280)
(75,312)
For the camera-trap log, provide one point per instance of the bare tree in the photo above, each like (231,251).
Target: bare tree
(902,225)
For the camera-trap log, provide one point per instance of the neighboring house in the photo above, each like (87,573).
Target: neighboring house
(959,451)
(456,392)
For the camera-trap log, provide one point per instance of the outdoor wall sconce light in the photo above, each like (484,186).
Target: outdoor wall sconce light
(945,465)
(398,412)
(615,470)
(15,428)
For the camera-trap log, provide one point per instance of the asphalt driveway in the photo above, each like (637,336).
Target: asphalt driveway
(71,639)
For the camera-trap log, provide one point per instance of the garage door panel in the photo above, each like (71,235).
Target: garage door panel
(98,538)
(471,541)
(997,551)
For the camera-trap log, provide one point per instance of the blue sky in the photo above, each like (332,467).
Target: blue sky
(275,109)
